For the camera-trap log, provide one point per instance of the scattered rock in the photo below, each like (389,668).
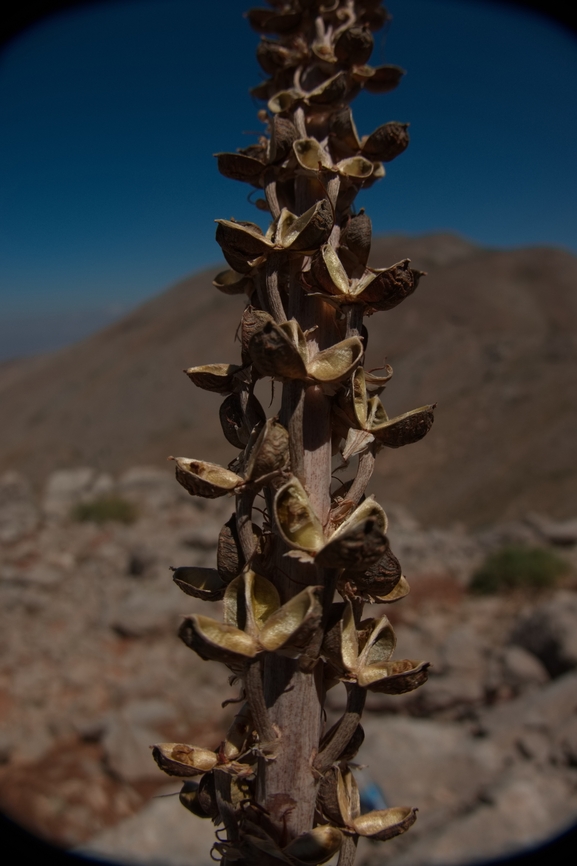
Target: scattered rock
(549,631)
(522,669)
(19,515)
(66,488)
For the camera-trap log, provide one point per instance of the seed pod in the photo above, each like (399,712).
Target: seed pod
(384,79)
(391,286)
(233,421)
(283,133)
(378,580)
(179,759)
(356,236)
(373,15)
(205,479)
(404,429)
(328,271)
(251,321)
(188,796)
(396,594)
(296,520)
(330,91)
(272,56)
(249,601)
(307,232)
(316,846)
(386,823)
(274,353)
(354,45)
(292,626)
(213,641)
(229,556)
(343,132)
(380,643)
(232,283)
(220,378)
(241,243)
(204,583)
(328,802)
(360,544)
(336,363)
(284,100)
(387,142)
(207,795)
(311,155)
(238,733)
(270,451)
(238,166)
(355,167)
(394,677)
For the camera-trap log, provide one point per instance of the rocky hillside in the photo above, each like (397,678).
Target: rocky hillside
(92,673)
(490,335)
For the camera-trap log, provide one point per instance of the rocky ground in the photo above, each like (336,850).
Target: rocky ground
(91,674)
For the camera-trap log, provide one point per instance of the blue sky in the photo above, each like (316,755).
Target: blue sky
(111,114)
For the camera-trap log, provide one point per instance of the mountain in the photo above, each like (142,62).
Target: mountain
(490,335)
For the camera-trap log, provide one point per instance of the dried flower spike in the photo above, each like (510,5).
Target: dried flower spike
(280,783)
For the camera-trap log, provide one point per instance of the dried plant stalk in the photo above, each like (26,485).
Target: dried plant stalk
(280,784)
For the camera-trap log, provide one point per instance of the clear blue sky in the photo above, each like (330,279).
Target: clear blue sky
(111,114)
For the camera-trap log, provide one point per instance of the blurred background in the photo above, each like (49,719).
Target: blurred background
(112,112)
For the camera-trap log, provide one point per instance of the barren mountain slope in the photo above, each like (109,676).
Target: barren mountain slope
(490,335)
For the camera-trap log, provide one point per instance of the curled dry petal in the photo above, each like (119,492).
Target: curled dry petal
(205,479)
(204,583)
(394,677)
(386,823)
(316,846)
(179,759)
(212,640)
(219,378)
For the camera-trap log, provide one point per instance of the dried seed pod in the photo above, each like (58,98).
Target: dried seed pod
(179,759)
(378,580)
(241,243)
(249,601)
(205,479)
(311,155)
(359,544)
(233,421)
(274,353)
(330,91)
(384,79)
(207,795)
(296,520)
(252,320)
(328,802)
(188,796)
(270,21)
(356,236)
(307,232)
(238,734)
(316,846)
(394,677)
(379,645)
(220,378)
(387,142)
(386,823)
(355,167)
(398,592)
(284,100)
(391,286)
(354,45)
(232,283)
(273,56)
(292,626)
(283,134)
(336,363)
(402,430)
(343,132)
(270,451)
(328,271)
(238,166)
(204,583)
(212,640)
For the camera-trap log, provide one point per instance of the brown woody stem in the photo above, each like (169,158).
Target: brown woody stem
(348,851)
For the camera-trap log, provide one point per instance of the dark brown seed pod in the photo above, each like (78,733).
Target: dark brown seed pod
(405,429)
(328,801)
(230,559)
(188,797)
(270,21)
(354,45)
(391,287)
(233,421)
(386,823)
(378,580)
(387,142)
(251,322)
(317,230)
(363,543)
(270,451)
(203,583)
(374,16)
(356,237)
(237,166)
(272,56)
(344,138)
(205,479)
(394,677)
(283,133)
(274,354)
(384,79)
(330,91)
(180,759)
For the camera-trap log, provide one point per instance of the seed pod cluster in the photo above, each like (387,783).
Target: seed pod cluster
(308,286)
